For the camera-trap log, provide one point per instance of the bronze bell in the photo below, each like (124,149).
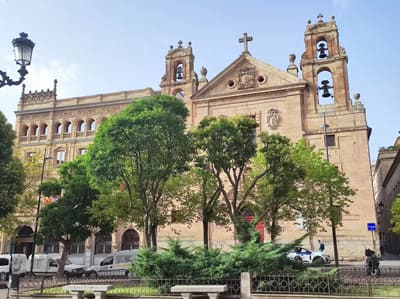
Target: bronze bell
(325,87)
(321,49)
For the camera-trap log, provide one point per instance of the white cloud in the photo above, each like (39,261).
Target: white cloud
(42,77)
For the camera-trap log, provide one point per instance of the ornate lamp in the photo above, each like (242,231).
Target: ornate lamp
(23,48)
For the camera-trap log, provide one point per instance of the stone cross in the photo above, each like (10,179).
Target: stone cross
(319,17)
(244,40)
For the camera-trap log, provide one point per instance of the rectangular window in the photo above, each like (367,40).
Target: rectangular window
(60,157)
(52,247)
(330,140)
(77,247)
(82,151)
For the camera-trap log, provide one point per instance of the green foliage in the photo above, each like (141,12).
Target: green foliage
(11,171)
(275,195)
(395,210)
(69,219)
(299,181)
(177,262)
(224,147)
(12,178)
(140,150)
(51,188)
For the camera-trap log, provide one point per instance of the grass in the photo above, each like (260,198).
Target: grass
(118,289)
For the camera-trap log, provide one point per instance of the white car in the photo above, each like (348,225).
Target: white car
(305,256)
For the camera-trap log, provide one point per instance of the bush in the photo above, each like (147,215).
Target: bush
(178,262)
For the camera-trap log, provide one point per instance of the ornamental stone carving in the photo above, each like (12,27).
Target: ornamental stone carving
(247,77)
(273,119)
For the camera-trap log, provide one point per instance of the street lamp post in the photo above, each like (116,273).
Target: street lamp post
(333,223)
(23,48)
(38,210)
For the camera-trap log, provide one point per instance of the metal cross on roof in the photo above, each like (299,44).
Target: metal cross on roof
(244,40)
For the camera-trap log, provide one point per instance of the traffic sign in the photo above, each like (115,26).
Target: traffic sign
(371,226)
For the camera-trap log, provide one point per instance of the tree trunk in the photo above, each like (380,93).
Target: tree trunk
(154,237)
(205,234)
(61,266)
(146,232)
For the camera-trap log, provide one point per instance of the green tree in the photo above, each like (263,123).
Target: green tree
(11,171)
(69,218)
(199,196)
(225,147)
(140,149)
(324,188)
(395,210)
(299,182)
(275,197)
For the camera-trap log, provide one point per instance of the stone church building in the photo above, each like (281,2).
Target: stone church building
(310,100)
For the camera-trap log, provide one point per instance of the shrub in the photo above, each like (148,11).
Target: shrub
(178,262)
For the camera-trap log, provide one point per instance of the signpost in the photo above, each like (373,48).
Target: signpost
(371,226)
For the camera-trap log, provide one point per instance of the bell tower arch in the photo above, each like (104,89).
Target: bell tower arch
(180,79)
(324,67)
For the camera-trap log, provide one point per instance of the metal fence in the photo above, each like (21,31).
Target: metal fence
(127,286)
(346,282)
(351,282)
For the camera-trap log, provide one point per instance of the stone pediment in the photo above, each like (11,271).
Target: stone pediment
(247,75)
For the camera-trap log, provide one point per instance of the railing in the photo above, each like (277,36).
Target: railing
(123,285)
(350,282)
(346,282)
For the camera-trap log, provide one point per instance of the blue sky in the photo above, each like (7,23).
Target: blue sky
(102,46)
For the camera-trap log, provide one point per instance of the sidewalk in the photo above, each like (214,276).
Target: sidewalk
(390,259)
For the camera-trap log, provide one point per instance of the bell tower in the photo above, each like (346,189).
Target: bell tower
(336,124)
(324,67)
(180,79)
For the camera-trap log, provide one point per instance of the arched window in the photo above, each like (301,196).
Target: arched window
(68,127)
(130,240)
(58,128)
(325,88)
(35,130)
(81,126)
(92,125)
(102,244)
(25,130)
(44,129)
(322,49)
(179,73)
(25,232)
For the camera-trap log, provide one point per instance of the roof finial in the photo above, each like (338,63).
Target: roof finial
(319,17)
(244,40)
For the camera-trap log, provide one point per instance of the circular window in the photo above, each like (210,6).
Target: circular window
(231,83)
(261,79)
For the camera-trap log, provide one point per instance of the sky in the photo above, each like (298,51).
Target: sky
(102,46)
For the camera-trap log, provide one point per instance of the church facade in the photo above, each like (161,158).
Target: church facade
(309,101)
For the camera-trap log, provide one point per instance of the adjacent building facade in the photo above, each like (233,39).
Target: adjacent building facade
(292,102)
(386,177)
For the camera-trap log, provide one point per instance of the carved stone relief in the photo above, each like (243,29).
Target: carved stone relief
(247,77)
(273,119)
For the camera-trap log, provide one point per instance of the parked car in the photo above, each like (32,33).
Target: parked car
(44,264)
(116,264)
(19,265)
(306,256)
